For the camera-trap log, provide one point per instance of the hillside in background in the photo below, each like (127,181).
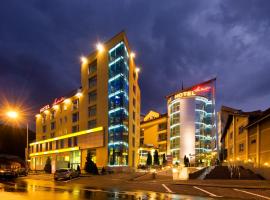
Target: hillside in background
(13,140)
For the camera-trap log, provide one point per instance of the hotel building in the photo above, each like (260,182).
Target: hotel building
(153,136)
(102,117)
(192,124)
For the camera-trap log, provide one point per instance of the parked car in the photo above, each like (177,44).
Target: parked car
(8,173)
(65,173)
(22,171)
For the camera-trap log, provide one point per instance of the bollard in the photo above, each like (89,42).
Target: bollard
(154,175)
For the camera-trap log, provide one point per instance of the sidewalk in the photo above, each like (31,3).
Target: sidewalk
(248,184)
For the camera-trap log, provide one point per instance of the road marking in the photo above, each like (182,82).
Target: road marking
(252,194)
(168,189)
(211,194)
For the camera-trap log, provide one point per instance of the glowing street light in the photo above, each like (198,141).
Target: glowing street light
(12,114)
(100,47)
(137,69)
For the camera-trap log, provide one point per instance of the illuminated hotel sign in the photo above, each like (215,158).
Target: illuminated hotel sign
(185,94)
(192,92)
(44,108)
(58,100)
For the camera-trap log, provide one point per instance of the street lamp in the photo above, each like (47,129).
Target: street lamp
(12,114)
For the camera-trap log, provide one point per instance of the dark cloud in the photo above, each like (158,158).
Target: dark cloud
(175,41)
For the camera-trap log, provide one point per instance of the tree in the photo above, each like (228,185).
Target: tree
(156,158)
(164,161)
(48,166)
(89,164)
(149,159)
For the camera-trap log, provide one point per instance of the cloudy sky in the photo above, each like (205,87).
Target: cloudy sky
(190,41)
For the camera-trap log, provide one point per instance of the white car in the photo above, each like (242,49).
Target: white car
(65,173)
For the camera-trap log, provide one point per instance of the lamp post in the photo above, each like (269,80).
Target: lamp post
(14,115)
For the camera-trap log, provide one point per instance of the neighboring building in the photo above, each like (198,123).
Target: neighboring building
(259,140)
(153,135)
(235,137)
(102,117)
(246,138)
(192,124)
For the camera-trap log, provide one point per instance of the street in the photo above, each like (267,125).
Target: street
(118,186)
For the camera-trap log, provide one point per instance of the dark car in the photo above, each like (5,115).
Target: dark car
(22,171)
(8,173)
(65,173)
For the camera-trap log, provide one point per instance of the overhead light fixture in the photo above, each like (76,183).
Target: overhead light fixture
(132,55)
(84,60)
(100,47)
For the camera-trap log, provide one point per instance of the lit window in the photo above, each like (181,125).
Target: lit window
(241,147)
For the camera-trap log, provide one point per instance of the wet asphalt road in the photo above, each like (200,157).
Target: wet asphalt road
(43,187)
(39,189)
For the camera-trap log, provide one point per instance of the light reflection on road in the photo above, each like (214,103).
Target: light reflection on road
(24,191)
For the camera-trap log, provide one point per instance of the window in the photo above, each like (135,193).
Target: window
(43,119)
(141,141)
(241,129)
(92,82)
(175,107)
(133,142)
(52,135)
(75,104)
(50,145)
(92,124)
(62,144)
(46,146)
(37,148)
(241,147)
(75,117)
(52,114)
(134,102)
(69,142)
(231,135)
(134,89)
(44,128)
(75,128)
(162,126)
(52,125)
(43,137)
(142,133)
(92,96)
(92,111)
(40,147)
(57,144)
(75,141)
(133,128)
(253,141)
(134,116)
(92,67)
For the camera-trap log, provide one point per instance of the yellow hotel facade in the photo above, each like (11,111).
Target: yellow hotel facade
(102,117)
